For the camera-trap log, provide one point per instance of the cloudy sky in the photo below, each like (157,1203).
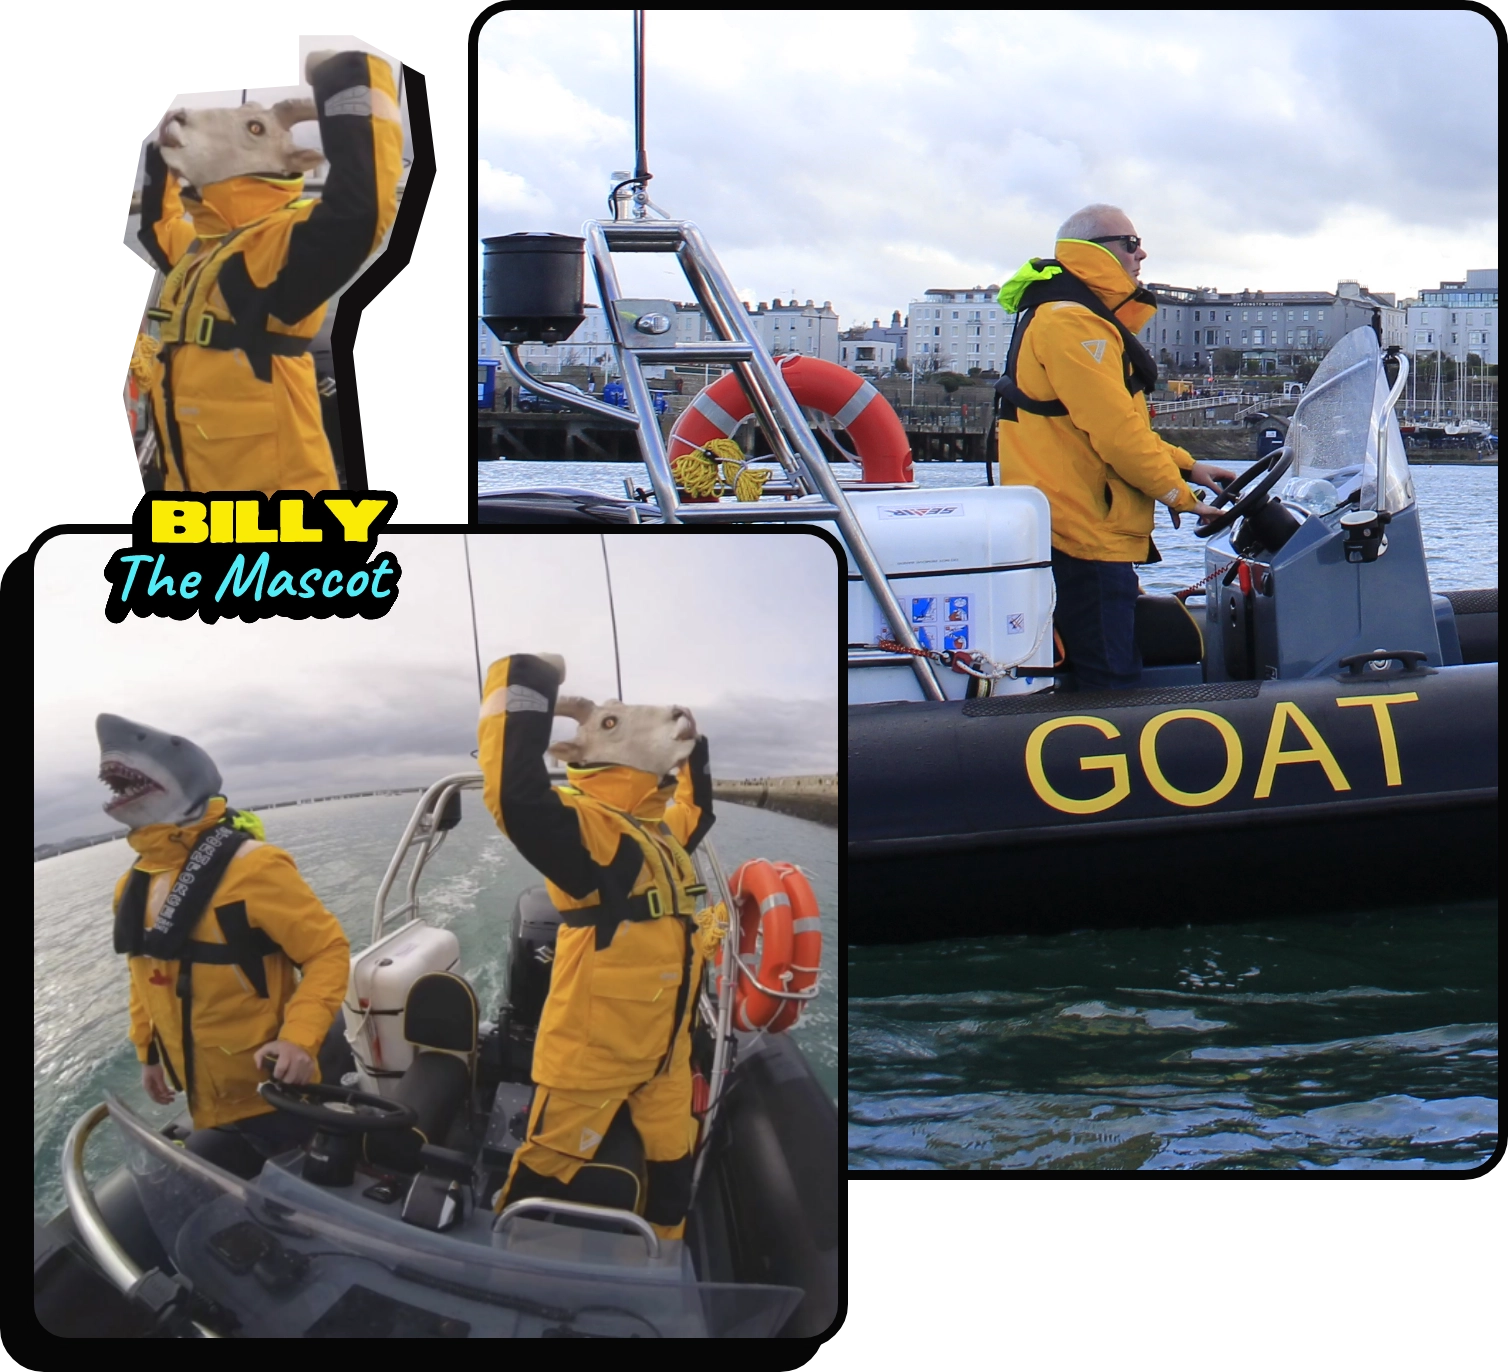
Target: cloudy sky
(741,628)
(863,160)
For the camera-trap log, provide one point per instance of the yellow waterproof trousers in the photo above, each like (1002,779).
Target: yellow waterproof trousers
(558,1157)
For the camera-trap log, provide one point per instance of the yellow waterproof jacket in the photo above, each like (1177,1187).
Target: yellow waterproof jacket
(249,266)
(230,1020)
(1101,466)
(612,845)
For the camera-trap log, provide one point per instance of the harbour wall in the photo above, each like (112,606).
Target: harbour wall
(812,797)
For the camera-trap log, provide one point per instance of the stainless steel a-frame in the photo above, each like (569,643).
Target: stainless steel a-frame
(816,491)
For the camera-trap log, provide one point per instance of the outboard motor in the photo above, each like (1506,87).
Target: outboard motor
(1331,564)
(531,956)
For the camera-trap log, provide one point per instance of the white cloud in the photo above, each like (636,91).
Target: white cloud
(529,103)
(740,628)
(508,193)
(865,158)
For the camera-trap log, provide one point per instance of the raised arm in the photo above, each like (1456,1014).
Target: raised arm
(690,816)
(357,106)
(513,732)
(165,232)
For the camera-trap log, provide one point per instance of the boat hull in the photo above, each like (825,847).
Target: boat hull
(1219,802)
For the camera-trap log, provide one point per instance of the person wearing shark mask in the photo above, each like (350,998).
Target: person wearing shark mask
(217,927)
(613,845)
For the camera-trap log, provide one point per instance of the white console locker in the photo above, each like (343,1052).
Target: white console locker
(971,569)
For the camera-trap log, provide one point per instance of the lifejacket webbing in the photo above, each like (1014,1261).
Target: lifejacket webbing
(184,317)
(1140,368)
(683,992)
(184,907)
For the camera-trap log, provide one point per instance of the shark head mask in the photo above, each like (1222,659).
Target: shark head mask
(650,738)
(157,778)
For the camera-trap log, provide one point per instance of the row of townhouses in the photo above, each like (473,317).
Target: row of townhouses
(965,330)
(1193,325)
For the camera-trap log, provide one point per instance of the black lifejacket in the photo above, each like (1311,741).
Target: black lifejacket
(169,938)
(1141,369)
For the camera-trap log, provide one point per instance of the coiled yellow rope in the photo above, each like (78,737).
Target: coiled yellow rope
(750,482)
(720,462)
(711,927)
(144,360)
(696,473)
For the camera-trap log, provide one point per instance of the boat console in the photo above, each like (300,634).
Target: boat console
(1331,565)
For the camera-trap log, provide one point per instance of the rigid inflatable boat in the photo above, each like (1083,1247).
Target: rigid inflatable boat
(1322,737)
(383,1226)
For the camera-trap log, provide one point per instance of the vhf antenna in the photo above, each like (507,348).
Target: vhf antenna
(642,175)
(613,613)
(471,596)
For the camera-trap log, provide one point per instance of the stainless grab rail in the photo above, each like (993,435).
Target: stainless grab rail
(694,352)
(775,408)
(114,1261)
(430,803)
(1382,427)
(117,1265)
(511,363)
(626,1218)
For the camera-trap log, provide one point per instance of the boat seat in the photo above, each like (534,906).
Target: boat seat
(1167,634)
(440,1019)
(1476,615)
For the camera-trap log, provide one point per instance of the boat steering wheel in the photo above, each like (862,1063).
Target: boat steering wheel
(1274,465)
(337,1109)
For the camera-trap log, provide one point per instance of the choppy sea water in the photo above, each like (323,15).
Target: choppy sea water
(1339,1043)
(1334,1043)
(342,848)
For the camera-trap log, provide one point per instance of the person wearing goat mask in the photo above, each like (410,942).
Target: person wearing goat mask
(249,266)
(613,845)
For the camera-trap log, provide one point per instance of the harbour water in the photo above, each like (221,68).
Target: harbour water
(1341,1042)
(342,848)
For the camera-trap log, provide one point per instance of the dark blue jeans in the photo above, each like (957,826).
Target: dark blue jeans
(244,1146)
(1096,619)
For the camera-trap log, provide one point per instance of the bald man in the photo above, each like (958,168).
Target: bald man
(1074,423)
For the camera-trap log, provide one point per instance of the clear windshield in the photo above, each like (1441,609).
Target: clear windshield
(290,1259)
(1334,434)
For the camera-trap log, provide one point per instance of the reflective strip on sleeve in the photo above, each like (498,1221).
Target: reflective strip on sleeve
(525,698)
(353,100)
(856,405)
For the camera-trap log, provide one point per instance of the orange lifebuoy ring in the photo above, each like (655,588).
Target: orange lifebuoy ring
(876,430)
(806,955)
(764,909)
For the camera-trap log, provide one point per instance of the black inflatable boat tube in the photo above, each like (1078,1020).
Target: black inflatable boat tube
(1042,813)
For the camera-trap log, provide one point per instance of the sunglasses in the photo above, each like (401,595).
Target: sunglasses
(1131,241)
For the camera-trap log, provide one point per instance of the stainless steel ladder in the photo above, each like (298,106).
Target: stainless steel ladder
(790,437)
